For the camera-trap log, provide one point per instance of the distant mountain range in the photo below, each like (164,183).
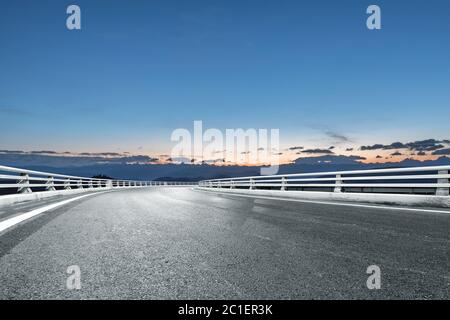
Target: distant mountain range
(191,172)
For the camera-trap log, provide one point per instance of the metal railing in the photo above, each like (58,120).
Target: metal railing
(428,180)
(28,181)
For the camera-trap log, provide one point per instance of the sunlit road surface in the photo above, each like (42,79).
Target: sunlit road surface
(181,243)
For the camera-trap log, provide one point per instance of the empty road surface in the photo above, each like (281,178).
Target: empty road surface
(181,243)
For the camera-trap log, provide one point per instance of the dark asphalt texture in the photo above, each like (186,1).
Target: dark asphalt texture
(180,243)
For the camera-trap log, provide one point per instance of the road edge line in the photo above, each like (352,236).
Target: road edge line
(329,202)
(11,222)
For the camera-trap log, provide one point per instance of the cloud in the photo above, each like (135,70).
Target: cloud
(15,111)
(213,161)
(329,159)
(426,145)
(179,160)
(435,147)
(339,137)
(373,147)
(355,157)
(44,152)
(421,145)
(442,152)
(331,148)
(317,151)
(396,154)
(295,148)
(11,151)
(54,158)
(421,153)
(349,149)
(379,157)
(395,145)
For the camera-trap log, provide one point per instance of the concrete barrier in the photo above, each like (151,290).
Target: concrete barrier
(386,199)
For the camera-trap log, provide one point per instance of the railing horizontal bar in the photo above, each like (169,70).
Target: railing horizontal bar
(31,185)
(10,177)
(16,185)
(368,185)
(418,177)
(16,170)
(371,171)
(47,174)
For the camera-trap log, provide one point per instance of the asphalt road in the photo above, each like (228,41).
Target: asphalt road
(180,243)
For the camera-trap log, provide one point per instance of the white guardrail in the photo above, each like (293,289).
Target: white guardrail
(428,180)
(26,181)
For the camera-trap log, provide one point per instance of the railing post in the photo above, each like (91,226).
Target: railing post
(49,184)
(338,183)
(283,183)
(252,184)
(25,181)
(80,184)
(442,191)
(90,185)
(67,184)
(109,183)
(231,184)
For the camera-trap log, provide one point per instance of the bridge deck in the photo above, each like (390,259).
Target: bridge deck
(182,243)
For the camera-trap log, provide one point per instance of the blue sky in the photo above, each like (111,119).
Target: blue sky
(138,70)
